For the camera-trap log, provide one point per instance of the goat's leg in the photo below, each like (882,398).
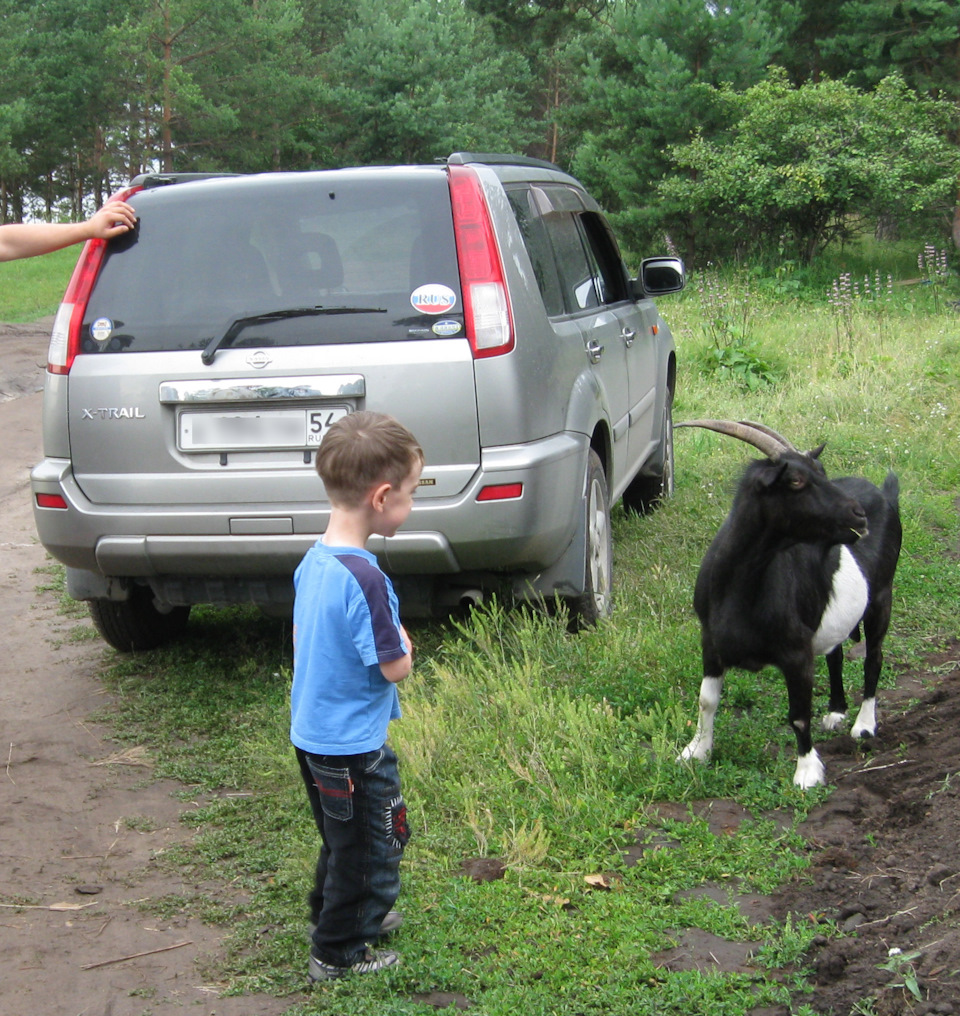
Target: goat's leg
(838,699)
(702,744)
(876,621)
(810,770)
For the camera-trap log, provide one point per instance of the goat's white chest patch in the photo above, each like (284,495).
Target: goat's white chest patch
(848,601)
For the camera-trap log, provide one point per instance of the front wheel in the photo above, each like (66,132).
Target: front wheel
(136,623)
(596,600)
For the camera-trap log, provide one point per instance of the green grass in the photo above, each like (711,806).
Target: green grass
(522,742)
(33,287)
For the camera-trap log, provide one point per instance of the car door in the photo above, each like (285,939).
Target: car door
(585,300)
(636,328)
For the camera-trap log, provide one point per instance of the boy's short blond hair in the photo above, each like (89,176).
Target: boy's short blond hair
(364,449)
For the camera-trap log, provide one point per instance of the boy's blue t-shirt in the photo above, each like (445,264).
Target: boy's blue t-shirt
(346,622)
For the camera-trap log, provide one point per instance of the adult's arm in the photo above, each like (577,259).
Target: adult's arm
(28,239)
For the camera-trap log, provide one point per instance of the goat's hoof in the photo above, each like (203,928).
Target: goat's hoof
(694,754)
(810,771)
(865,725)
(833,721)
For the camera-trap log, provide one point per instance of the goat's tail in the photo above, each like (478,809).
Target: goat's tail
(891,490)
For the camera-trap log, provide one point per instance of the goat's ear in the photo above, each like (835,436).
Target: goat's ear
(815,453)
(772,474)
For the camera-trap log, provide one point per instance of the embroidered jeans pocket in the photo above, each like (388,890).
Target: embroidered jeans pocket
(336,791)
(398,830)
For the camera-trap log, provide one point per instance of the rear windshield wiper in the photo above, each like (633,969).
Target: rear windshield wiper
(237,326)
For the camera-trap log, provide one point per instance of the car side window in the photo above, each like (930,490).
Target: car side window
(573,252)
(535,239)
(610,272)
(578,277)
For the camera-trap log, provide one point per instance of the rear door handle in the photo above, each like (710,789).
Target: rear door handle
(628,335)
(594,351)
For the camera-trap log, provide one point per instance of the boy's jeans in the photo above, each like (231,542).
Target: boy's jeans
(359,810)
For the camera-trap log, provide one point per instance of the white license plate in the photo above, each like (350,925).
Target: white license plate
(252,430)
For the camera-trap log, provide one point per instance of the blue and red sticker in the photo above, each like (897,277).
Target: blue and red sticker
(433,299)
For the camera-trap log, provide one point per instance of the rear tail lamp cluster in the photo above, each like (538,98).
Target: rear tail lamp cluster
(486,305)
(65,338)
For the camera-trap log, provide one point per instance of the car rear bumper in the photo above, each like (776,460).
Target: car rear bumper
(444,536)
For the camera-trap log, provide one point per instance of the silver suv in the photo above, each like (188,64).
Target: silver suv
(196,363)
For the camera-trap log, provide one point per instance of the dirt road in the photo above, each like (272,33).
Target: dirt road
(79,824)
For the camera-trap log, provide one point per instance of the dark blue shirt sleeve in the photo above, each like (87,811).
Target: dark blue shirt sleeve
(375,590)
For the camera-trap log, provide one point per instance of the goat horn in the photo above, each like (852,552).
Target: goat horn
(764,429)
(760,438)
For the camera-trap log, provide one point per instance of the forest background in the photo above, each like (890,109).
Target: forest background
(756,128)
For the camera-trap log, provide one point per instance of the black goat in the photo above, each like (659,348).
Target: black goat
(797,565)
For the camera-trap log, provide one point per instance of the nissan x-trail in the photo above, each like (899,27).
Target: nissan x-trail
(196,363)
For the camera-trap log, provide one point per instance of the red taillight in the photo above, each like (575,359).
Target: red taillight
(486,305)
(65,337)
(50,501)
(501,492)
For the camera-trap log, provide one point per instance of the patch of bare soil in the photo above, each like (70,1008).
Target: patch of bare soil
(885,863)
(886,857)
(82,825)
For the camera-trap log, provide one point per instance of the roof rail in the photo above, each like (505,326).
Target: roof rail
(148,180)
(498,159)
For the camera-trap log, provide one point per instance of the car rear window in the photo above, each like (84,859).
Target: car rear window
(366,255)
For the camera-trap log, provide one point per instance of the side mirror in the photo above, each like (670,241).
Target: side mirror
(659,276)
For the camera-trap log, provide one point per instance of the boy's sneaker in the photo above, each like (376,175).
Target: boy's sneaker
(371,961)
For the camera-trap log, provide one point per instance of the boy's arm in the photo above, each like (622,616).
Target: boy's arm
(396,670)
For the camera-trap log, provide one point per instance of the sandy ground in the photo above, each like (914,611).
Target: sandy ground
(79,826)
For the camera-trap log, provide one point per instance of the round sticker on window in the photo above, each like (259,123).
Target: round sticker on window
(446,327)
(101,329)
(433,299)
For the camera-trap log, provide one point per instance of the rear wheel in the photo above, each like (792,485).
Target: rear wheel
(136,623)
(646,492)
(596,600)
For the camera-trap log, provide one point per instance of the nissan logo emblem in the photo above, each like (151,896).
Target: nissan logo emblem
(259,359)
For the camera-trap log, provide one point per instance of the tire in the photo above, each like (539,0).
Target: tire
(596,600)
(135,624)
(647,491)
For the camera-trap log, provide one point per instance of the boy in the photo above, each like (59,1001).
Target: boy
(350,651)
